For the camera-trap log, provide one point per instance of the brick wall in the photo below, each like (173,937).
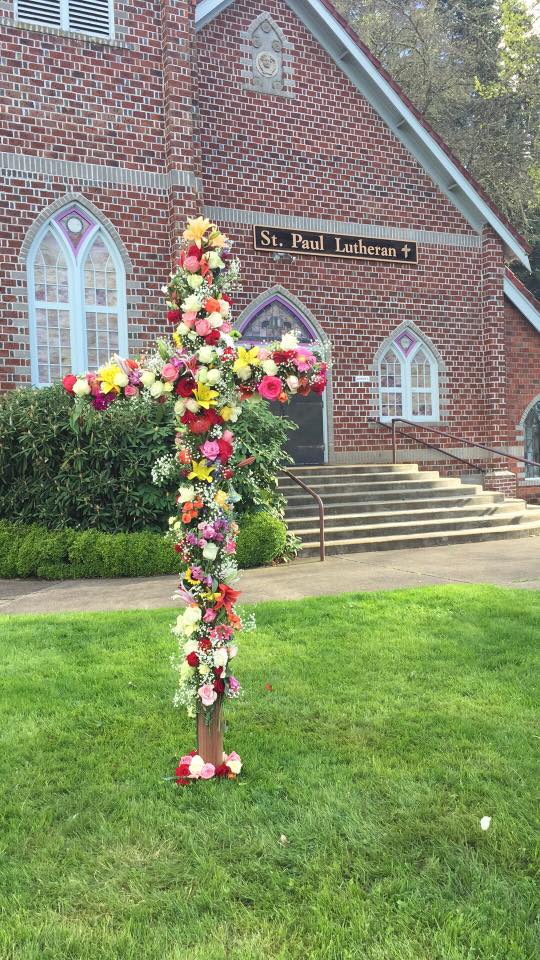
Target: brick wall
(523,385)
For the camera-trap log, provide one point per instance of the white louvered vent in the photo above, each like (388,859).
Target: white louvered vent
(90,16)
(40,11)
(82,16)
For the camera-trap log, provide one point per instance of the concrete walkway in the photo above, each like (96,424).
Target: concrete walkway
(509,563)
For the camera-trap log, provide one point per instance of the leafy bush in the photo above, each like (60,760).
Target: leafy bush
(91,472)
(261,433)
(95,471)
(32,551)
(261,539)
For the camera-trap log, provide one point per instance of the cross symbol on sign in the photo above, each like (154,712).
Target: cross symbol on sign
(405,250)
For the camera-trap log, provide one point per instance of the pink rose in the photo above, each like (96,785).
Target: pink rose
(169,372)
(230,547)
(208,771)
(304,359)
(191,264)
(234,684)
(202,327)
(270,388)
(263,353)
(189,318)
(131,391)
(207,694)
(209,616)
(225,327)
(228,436)
(210,449)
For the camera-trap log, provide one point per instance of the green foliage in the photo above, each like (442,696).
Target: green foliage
(394,722)
(261,433)
(261,539)
(66,467)
(33,551)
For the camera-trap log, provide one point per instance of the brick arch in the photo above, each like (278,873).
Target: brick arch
(442,370)
(528,409)
(401,328)
(297,308)
(65,201)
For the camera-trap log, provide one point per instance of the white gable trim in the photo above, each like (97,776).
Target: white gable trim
(522,303)
(392,109)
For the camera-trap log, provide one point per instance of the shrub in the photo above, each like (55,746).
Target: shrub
(261,539)
(261,433)
(93,471)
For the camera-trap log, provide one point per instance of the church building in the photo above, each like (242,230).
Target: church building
(355,224)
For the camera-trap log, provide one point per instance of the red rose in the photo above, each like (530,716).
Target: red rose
(185,387)
(318,386)
(68,382)
(205,644)
(193,659)
(182,775)
(227,298)
(283,356)
(178,547)
(228,473)
(212,338)
(221,770)
(174,316)
(195,251)
(219,686)
(218,671)
(225,450)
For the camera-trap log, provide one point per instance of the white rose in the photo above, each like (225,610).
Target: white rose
(215,320)
(190,646)
(121,379)
(206,354)
(485,823)
(220,657)
(147,378)
(81,388)
(292,383)
(224,308)
(243,372)
(185,494)
(156,389)
(288,341)
(192,614)
(234,766)
(180,407)
(213,377)
(202,374)
(191,304)
(192,405)
(214,261)
(182,328)
(270,367)
(196,765)
(167,387)
(210,551)
(194,281)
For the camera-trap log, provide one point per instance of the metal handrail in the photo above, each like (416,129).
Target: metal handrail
(431,446)
(320,505)
(451,436)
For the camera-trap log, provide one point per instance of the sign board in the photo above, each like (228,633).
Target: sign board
(278,240)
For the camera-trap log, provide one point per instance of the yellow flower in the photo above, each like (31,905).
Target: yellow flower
(196,230)
(201,471)
(216,239)
(111,378)
(246,358)
(221,498)
(205,396)
(177,340)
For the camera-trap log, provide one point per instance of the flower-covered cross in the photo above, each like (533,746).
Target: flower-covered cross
(209,377)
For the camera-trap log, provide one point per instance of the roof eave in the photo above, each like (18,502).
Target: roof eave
(521,302)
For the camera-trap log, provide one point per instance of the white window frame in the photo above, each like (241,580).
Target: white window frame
(406,389)
(65,22)
(76,292)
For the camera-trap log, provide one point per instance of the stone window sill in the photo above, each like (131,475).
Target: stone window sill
(86,38)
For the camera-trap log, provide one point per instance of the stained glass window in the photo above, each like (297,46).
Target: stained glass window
(408,380)
(273,320)
(77,298)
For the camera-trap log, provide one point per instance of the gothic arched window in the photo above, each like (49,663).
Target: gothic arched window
(532,440)
(76,283)
(270,320)
(408,380)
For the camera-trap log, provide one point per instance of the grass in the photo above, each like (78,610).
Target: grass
(395,722)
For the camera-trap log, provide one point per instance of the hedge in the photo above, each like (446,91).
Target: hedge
(34,551)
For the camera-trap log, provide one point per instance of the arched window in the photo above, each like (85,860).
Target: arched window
(271,319)
(76,284)
(532,440)
(408,380)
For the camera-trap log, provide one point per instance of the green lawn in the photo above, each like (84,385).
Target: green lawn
(395,722)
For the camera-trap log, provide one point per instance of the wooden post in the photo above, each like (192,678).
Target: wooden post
(210,736)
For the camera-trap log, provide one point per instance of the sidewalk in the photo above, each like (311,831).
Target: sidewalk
(510,563)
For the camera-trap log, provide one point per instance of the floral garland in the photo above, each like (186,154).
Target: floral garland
(210,377)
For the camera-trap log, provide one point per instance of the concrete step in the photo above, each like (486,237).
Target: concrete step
(371,491)
(299,525)
(433,539)
(352,482)
(335,534)
(350,468)
(452,498)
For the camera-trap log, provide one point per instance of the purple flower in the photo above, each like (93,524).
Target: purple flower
(234,685)
(197,572)
(103,400)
